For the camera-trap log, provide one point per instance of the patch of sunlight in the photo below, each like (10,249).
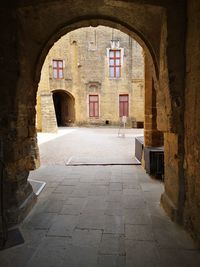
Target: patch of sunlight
(45,137)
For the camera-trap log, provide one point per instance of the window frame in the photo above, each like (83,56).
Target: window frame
(57,68)
(115,66)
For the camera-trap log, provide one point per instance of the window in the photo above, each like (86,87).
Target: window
(123,105)
(94,106)
(57,69)
(115,63)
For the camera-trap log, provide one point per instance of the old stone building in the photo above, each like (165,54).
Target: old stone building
(92,76)
(167,30)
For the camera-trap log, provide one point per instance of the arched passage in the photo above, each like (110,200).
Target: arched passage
(60,97)
(38,26)
(149,49)
(64,108)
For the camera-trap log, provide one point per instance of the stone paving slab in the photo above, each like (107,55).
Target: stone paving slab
(91,220)
(98,216)
(63,225)
(80,257)
(182,258)
(112,244)
(142,253)
(139,232)
(50,252)
(137,216)
(42,220)
(111,261)
(86,238)
(115,229)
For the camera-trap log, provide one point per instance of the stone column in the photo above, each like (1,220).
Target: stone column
(152,137)
(19,151)
(172,87)
(48,117)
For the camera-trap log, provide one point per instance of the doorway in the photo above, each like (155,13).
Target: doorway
(64,108)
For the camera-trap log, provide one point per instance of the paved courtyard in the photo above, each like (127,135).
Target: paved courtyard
(97,216)
(88,145)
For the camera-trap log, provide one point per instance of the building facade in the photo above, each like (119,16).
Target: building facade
(92,76)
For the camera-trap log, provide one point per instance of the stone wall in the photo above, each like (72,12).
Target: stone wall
(29,30)
(170,96)
(85,53)
(192,121)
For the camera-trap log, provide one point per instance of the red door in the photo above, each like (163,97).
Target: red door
(94,106)
(123,105)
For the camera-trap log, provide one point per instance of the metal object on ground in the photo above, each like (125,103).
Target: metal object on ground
(154,161)
(139,146)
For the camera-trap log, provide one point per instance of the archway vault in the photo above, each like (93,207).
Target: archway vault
(81,22)
(34,29)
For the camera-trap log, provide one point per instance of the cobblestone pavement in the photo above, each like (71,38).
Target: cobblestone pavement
(98,216)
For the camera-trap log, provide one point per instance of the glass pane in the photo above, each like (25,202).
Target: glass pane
(112,72)
(117,62)
(111,62)
(54,63)
(60,74)
(117,72)
(111,54)
(60,64)
(117,53)
(55,73)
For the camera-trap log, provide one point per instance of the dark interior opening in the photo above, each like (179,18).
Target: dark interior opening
(64,108)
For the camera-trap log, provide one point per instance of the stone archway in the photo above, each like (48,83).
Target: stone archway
(35,27)
(64,107)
